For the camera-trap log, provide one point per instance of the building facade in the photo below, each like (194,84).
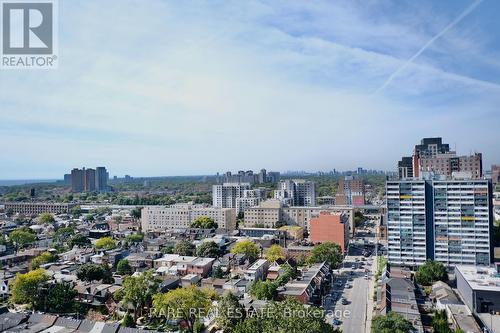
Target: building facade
(181,216)
(432,155)
(351,191)
(449,221)
(406,222)
(330,227)
(226,195)
(270,212)
(36,208)
(296,192)
(89,180)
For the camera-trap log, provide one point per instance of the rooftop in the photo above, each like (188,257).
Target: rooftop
(480,278)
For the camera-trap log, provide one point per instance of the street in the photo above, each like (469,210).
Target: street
(347,302)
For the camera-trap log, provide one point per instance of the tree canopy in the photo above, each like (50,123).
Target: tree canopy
(135,238)
(56,298)
(274,253)
(46,218)
(78,240)
(391,323)
(440,322)
(24,288)
(184,248)
(186,304)
(264,290)
(430,272)
(63,234)
(43,258)
(229,312)
(105,243)
(208,249)
(92,272)
(138,291)
(22,237)
(329,252)
(123,267)
(204,222)
(248,248)
(288,316)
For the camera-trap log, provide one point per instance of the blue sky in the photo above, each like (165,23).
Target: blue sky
(195,87)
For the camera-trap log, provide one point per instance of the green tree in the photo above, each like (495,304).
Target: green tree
(167,249)
(217,273)
(105,243)
(46,218)
(184,248)
(186,304)
(264,290)
(274,253)
(496,233)
(43,258)
(288,316)
(92,272)
(78,240)
(128,321)
(62,235)
(56,298)
(229,312)
(391,323)
(248,248)
(22,237)
(136,213)
(430,272)
(24,288)
(135,238)
(76,211)
(138,291)
(204,222)
(329,252)
(208,249)
(123,267)
(358,218)
(440,322)
(289,273)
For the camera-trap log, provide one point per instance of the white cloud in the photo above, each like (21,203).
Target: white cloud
(176,88)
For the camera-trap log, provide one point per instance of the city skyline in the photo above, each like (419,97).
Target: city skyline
(195,89)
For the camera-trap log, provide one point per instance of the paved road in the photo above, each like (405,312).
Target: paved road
(352,316)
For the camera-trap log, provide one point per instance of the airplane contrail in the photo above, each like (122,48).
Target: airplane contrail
(466,12)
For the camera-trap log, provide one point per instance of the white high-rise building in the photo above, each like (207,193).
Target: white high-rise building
(236,195)
(448,221)
(296,192)
(406,222)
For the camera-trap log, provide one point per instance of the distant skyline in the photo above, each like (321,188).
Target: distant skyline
(192,88)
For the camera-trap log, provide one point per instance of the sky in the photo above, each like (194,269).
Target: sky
(159,88)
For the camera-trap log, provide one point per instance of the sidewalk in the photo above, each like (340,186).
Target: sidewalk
(370,302)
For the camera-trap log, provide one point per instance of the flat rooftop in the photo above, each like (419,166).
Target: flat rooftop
(480,278)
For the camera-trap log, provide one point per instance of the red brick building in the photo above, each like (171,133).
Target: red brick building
(330,227)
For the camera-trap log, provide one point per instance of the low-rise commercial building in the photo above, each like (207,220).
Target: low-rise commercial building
(479,288)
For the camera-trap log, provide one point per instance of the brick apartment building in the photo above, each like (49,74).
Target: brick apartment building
(330,227)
